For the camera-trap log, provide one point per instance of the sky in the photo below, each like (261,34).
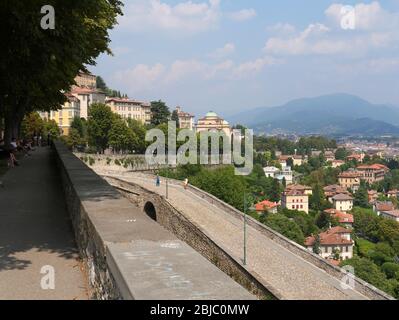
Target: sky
(231,56)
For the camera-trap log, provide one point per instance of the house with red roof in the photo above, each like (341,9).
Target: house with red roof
(335,241)
(266,206)
(372,173)
(345,219)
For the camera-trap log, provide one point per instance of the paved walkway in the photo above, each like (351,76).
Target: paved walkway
(292,276)
(35,231)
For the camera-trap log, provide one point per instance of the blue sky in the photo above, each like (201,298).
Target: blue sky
(234,55)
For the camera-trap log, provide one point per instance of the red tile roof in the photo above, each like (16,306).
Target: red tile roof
(265,205)
(384,206)
(341,216)
(332,236)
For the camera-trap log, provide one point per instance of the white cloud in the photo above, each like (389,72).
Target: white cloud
(367,16)
(251,68)
(144,78)
(243,15)
(141,77)
(186,17)
(228,49)
(374,31)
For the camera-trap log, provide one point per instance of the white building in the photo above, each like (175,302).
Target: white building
(343,202)
(334,241)
(393,215)
(87,96)
(186,120)
(271,172)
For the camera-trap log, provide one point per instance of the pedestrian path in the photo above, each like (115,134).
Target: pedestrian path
(36,234)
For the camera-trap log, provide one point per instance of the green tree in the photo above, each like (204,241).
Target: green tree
(317,198)
(77,124)
(160,112)
(361,198)
(316,245)
(275,191)
(39,65)
(371,273)
(32,125)
(100,83)
(139,131)
(120,137)
(50,127)
(286,227)
(341,154)
(99,125)
(175,117)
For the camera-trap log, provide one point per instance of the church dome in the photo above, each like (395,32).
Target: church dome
(211,114)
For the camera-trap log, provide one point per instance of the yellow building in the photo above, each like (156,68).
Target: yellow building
(64,116)
(295,200)
(131,109)
(350,179)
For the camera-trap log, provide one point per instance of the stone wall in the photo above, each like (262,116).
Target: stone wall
(192,234)
(114,236)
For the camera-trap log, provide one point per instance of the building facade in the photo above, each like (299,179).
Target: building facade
(86,80)
(213,123)
(333,242)
(87,96)
(350,179)
(372,173)
(131,109)
(64,116)
(343,202)
(295,200)
(186,120)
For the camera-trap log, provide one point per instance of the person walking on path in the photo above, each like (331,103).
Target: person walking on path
(158,181)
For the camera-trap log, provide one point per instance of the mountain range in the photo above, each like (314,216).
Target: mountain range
(335,114)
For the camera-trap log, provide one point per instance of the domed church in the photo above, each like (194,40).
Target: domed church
(213,123)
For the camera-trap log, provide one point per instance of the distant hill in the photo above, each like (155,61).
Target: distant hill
(337,114)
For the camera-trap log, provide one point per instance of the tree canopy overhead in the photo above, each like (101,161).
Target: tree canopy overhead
(37,65)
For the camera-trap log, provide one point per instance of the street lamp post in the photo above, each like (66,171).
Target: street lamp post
(245,230)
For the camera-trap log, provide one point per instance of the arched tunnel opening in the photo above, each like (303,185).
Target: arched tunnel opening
(149,209)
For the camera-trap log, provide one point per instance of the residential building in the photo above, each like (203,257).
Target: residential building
(86,80)
(87,96)
(356,156)
(372,195)
(334,241)
(213,123)
(332,190)
(186,120)
(64,116)
(285,174)
(295,200)
(329,156)
(350,179)
(266,206)
(393,193)
(372,173)
(393,215)
(306,189)
(337,163)
(345,219)
(343,202)
(381,206)
(297,160)
(271,172)
(131,109)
